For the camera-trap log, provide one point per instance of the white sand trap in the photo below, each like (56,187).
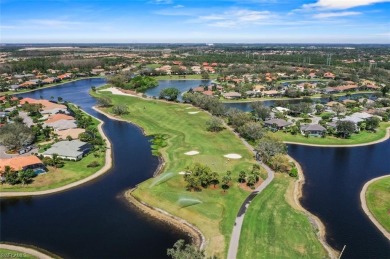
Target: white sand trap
(114,90)
(233,156)
(191,153)
(182,173)
(188,108)
(193,112)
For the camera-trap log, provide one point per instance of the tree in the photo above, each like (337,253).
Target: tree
(181,250)
(104,101)
(120,109)
(338,108)
(214,178)
(169,93)
(26,176)
(142,83)
(214,124)
(56,161)
(385,90)
(12,178)
(16,135)
(260,110)
(226,180)
(117,81)
(205,75)
(280,163)
(372,123)
(238,118)
(242,176)
(251,181)
(251,131)
(345,128)
(269,146)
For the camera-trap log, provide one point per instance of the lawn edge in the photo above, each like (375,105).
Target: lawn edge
(29,250)
(384,138)
(367,211)
(107,166)
(157,213)
(314,220)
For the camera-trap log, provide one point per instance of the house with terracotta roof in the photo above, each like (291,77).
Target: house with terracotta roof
(21,163)
(329,75)
(73,133)
(59,116)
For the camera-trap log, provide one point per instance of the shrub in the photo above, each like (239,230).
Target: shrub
(93,164)
(293,172)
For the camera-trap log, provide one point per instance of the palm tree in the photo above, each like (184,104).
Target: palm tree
(251,181)
(214,178)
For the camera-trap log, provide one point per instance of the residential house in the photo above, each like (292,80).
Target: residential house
(276,124)
(62,125)
(21,163)
(329,75)
(313,130)
(73,150)
(73,133)
(231,95)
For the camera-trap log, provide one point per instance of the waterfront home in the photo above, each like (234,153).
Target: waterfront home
(72,150)
(315,130)
(62,125)
(73,133)
(271,93)
(329,75)
(21,163)
(232,95)
(276,124)
(58,117)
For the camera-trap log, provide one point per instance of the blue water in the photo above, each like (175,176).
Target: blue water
(94,221)
(182,85)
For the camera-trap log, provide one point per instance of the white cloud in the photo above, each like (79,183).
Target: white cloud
(235,17)
(334,14)
(178,6)
(341,4)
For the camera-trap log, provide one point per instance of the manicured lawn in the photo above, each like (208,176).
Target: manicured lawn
(272,229)
(153,66)
(8,254)
(211,210)
(378,201)
(360,138)
(188,77)
(57,177)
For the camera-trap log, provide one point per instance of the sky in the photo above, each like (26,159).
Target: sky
(201,21)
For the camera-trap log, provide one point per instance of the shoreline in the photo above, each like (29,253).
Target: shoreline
(196,235)
(366,210)
(107,166)
(157,213)
(383,139)
(27,250)
(314,220)
(48,86)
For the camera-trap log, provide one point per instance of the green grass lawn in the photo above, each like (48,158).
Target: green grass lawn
(360,138)
(188,77)
(211,210)
(8,254)
(153,66)
(57,177)
(272,229)
(378,201)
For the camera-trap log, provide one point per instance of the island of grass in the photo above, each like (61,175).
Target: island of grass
(378,201)
(71,172)
(182,141)
(361,138)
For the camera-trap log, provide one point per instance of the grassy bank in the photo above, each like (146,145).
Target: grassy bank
(363,137)
(272,229)
(211,210)
(6,253)
(72,171)
(378,201)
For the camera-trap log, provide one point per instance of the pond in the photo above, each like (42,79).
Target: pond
(94,220)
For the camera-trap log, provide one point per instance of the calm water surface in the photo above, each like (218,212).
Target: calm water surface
(94,221)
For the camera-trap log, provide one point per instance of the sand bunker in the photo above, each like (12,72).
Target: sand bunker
(182,173)
(114,90)
(188,108)
(191,153)
(193,112)
(233,156)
